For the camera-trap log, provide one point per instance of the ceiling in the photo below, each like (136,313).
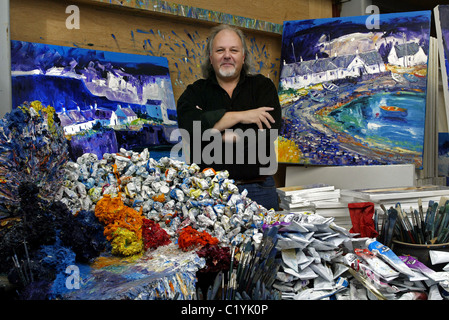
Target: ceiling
(390,6)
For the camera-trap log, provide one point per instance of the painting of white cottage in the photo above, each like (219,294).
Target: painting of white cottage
(306,73)
(407,55)
(353,95)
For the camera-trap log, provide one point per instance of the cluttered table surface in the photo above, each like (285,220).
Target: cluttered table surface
(128,226)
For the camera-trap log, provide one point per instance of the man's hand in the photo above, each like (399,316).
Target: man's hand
(259,116)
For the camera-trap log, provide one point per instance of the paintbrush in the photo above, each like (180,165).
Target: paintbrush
(404,222)
(392,218)
(28,260)
(245,296)
(276,265)
(443,224)
(243,258)
(441,217)
(246,268)
(234,284)
(269,265)
(223,287)
(19,269)
(269,241)
(216,285)
(431,220)
(418,227)
(414,225)
(256,291)
(421,214)
(232,263)
(384,218)
(209,293)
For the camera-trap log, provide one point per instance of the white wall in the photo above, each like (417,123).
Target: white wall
(358,177)
(355,8)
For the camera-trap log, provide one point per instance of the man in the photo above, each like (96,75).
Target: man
(242,109)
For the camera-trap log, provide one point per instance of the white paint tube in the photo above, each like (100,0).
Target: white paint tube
(438,256)
(434,293)
(389,256)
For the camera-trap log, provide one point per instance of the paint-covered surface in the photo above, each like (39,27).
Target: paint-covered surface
(442,30)
(179,10)
(353,95)
(161,274)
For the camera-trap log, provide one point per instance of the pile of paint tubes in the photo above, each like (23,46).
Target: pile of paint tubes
(324,261)
(320,260)
(206,200)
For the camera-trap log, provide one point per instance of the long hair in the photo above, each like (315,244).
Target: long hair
(207,68)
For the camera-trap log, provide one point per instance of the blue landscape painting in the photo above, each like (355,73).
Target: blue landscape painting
(104,100)
(442,30)
(353,93)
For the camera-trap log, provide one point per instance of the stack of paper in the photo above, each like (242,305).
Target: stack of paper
(322,199)
(389,197)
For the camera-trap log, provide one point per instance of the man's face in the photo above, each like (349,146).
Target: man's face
(227,55)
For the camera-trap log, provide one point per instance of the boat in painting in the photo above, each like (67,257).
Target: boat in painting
(393,111)
(330,86)
(410,77)
(316,96)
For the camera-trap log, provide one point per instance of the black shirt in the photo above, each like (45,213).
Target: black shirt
(204,103)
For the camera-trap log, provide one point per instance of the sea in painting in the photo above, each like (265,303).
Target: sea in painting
(104,100)
(354,94)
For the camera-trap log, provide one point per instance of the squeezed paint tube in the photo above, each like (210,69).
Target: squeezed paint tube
(378,265)
(415,264)
(314,294)
(414,296)
(434,293)
(389,256)
(367,273)
(437,257)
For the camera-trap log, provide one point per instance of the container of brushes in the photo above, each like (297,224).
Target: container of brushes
(420,252)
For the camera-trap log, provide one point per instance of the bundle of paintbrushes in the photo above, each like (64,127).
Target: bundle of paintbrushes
(253,277)
(414,226)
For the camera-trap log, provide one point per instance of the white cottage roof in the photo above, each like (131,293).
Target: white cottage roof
(406,49)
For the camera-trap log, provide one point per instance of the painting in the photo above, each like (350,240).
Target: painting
(104,100)
(443,155)
(441,14)
(354,93)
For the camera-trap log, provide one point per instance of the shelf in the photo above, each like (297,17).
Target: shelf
(175,10)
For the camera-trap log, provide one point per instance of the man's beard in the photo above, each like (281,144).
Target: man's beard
(227,72)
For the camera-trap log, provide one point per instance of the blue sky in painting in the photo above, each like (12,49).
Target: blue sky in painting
(76,77)
(28,55)
(444,24)
(304,35)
